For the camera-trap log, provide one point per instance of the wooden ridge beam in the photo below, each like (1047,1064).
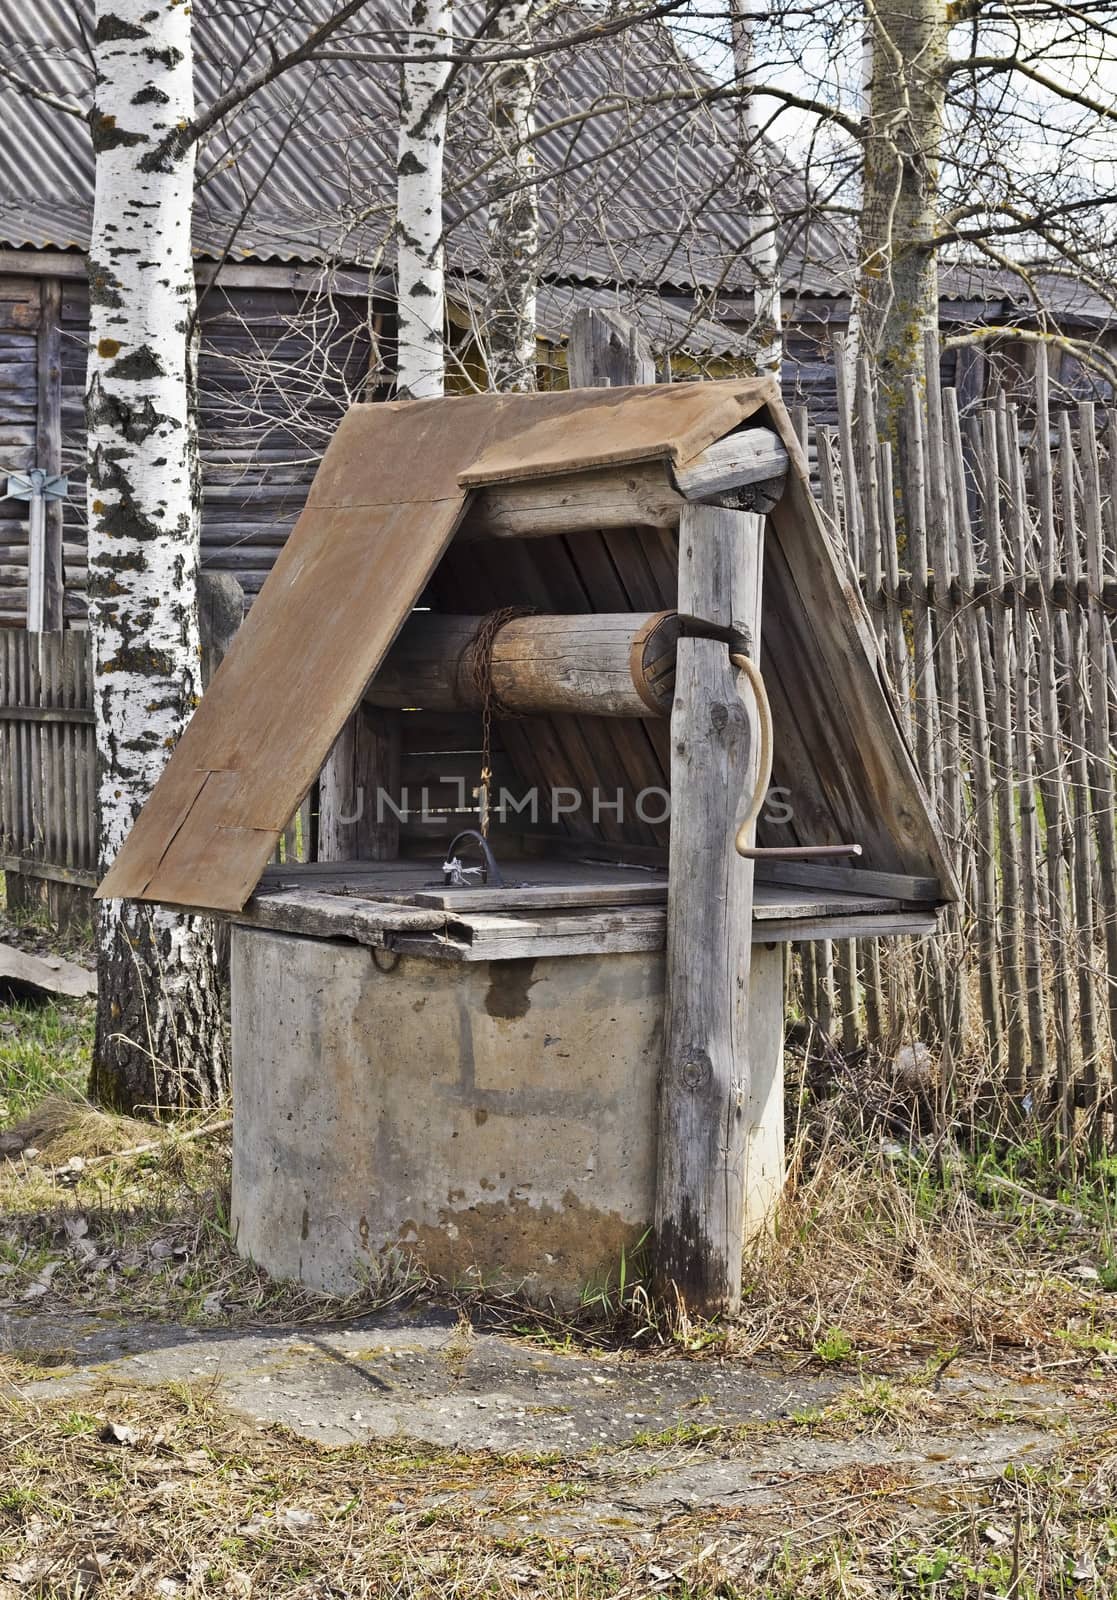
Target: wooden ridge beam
(744,471)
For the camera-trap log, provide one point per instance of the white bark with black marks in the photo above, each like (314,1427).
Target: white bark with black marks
(509,324)
(420,256)
(159,1034)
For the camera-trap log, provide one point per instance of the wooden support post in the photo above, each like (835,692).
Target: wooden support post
(764,1144)
(354,821)
(48,453)
(706,1082)
(220,614)
(606,350)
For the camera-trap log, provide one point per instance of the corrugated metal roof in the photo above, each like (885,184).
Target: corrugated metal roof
(642,194)
(1007,293)
(671,329)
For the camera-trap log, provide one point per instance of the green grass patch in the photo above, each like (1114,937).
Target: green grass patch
(44,1050)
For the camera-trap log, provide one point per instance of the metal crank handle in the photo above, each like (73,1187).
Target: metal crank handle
(753,852)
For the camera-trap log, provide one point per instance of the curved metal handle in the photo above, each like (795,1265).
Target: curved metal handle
(751,671)
(494,879)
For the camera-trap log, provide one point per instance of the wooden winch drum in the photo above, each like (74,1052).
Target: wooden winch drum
(606,664)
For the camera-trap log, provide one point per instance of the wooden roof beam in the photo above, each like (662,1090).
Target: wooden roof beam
(745,471)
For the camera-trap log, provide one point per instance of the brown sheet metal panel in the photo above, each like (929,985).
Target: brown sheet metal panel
(385,503)
(354,566)
(607,427)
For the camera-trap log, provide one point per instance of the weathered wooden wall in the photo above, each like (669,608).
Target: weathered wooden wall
(279,366)
(47,757)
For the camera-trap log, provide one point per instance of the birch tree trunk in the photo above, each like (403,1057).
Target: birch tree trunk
(159,1041)
(906,60)
(420,260)
(757,200)
(513,211)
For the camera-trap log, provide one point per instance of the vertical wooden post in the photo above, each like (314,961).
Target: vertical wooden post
(363,764)
(764,1143)
(604,349)
(705,1085)
(220,614)
(48,451)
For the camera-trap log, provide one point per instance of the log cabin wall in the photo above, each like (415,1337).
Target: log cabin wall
(279,366)
(20,316)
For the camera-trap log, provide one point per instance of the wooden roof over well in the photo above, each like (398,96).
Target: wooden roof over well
(379,530)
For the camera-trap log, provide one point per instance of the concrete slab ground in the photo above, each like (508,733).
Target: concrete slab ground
(647,1436)
(425,1378)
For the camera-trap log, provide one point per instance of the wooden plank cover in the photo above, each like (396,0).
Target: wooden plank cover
(861,764)
(385,503)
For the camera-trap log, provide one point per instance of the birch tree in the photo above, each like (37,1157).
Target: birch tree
(159,1027)
(159,1041)
(897,290)
(420,253)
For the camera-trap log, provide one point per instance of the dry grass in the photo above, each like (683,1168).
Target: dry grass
(895,1250)
(903,1254)
(897,1238)
(121,1218)
(61,1127)
(161,1492)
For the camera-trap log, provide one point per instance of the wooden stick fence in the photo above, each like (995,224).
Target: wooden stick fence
(986,547)
(47,760)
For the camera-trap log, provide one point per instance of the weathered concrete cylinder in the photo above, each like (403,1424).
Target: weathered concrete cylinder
(489,1121)
(493,1119)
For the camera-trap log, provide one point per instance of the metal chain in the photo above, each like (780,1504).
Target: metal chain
(480,652)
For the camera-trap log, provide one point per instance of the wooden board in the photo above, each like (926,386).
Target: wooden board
(50,977)
(594,911)
(545,896)
(849,880)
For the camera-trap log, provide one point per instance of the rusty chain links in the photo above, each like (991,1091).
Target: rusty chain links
(480,652)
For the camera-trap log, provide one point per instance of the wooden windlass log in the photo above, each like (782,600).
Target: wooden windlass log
(604,665)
